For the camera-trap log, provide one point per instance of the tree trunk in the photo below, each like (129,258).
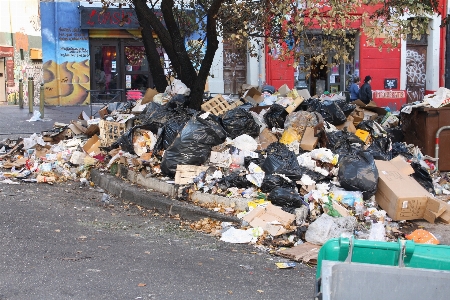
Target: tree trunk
(153,58)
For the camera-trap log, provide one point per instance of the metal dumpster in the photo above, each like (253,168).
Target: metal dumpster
(420,129)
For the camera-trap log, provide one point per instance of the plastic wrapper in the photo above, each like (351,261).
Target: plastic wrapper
(422,176)
(285,198)
(377,232)
(350,198)
(330,111)
(275,116)
(357,172)
(238,121)
(295,126)
(326,227)
(422,236)
(245,142)
(193,145)
(270,182)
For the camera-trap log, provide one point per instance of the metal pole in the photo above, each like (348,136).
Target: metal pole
(20,93)
(41,101)
(30,94)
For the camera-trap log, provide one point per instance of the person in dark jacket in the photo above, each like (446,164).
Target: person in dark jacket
(365,92)
(354,89)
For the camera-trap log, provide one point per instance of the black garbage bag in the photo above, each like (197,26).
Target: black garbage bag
(343,142)
(155,116)
(396,134)
(281,160)
(275,116)
(372,127)
(193,145)
(170,131)
(256,160)
(330,111)
(422,176)
(357,172)
(234,180)
(400,149)
(270,182)
(178,101)
(381,148)
(238,121)
(285,198)
(346,107)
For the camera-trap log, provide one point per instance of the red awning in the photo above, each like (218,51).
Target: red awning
(6,51)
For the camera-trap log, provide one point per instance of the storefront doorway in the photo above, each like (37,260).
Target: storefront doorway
(118,64)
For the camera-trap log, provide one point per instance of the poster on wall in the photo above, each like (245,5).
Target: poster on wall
(65,50)
(128,81)
(10,73)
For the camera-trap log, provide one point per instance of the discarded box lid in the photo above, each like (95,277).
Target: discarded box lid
(271,218)
(92,146)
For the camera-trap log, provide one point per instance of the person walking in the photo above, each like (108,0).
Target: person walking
(354,89)
(365,92)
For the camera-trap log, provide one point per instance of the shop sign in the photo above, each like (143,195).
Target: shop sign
(117,18)
(10,73)
(6,51)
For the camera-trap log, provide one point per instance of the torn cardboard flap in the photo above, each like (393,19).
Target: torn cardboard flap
(295,103)
(284,90)
(271,218)
(92,146)
(372,106)
(77,127)
(253,96)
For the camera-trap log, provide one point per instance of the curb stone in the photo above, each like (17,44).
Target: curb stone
(154,200)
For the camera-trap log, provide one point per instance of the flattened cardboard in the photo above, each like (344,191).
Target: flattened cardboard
(77,128)
(369,115)
(149,94)
(92,146)
(309,141)
(372,106)
(305,252)
(400,195)
(266,217)
(254,96)
(291,107)
(358,116)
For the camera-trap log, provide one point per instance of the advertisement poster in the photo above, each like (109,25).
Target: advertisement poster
(10,73)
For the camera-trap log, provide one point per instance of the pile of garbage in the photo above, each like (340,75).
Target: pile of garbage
(309,168)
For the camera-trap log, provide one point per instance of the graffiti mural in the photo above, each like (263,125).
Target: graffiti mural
(66,71)
(415,73)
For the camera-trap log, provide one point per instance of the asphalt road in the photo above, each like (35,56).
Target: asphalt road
(62,242)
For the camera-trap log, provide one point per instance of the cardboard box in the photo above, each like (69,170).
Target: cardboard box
(400,195)
(92,146)
(291,107)
(357,115)
(254,96)
(369,115)
(149,94)
(103,112)
(349,124)
(309,141)
(266,217)
(363,135)
(284,90)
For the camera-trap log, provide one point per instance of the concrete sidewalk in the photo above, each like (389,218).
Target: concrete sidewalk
(14,124)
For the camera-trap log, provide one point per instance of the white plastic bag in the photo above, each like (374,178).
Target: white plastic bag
(326,227)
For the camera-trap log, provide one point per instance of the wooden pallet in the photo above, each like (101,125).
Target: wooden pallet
(218,105)
(111,131)
(186,173)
